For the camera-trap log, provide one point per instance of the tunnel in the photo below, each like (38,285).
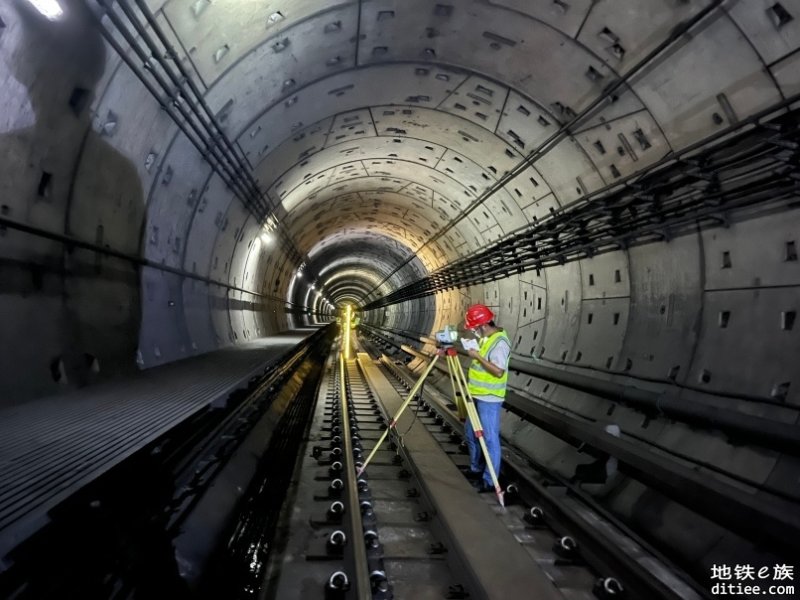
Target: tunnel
(188,184)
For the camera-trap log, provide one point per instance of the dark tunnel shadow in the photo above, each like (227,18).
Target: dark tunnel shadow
(75,314)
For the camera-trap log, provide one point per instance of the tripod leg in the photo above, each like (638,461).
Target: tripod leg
(469,435)
(458,398)
(393,422)
(472,413)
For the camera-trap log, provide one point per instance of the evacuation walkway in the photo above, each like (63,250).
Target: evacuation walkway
(52,447)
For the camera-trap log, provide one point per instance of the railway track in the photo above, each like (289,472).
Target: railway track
(413,528)
(582,538)
(368,537)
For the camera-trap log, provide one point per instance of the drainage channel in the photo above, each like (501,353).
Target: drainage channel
(346,537)
(581,549)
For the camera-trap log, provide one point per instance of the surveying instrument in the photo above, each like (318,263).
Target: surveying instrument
(445,346)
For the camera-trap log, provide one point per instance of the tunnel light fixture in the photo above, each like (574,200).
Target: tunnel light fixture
(270,224)
(299,274)
(266,238)
(49,9)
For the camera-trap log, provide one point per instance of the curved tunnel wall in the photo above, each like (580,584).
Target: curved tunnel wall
(373,127)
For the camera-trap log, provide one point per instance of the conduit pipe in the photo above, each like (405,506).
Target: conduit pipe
(755,516)
(765,432)
(607,95)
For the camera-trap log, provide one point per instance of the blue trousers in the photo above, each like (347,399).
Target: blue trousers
(489,414)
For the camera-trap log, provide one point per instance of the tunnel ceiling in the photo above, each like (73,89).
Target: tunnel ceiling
(374,129)
(353,261)
(376,121)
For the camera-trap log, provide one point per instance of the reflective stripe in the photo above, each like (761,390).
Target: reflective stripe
(491,385)
(481,381)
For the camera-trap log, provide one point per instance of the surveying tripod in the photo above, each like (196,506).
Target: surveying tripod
(460,386)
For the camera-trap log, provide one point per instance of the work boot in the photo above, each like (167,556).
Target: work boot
(472,475)
(482,487)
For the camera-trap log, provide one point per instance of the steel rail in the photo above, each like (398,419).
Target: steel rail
(662,584)
(363,589)
(599,535)
(724,503)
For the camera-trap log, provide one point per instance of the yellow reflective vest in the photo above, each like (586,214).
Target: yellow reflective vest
(481,382)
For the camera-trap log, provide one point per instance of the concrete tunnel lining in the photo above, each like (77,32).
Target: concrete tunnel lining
(371,126)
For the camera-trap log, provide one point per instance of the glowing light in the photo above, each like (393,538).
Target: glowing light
(347,320)
(48,8)
(299,274)
(266,238)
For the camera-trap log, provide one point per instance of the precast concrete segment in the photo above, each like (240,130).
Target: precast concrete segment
(760,516)
(496,564)
(769,433)
(52,447)
(718,498)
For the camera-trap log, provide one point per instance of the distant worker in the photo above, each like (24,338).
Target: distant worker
(488,378)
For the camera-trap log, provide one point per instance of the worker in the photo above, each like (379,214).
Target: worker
(488,378)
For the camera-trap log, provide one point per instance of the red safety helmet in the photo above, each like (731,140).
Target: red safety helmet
(478,314)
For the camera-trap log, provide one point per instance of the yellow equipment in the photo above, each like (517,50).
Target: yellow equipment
(460,385)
